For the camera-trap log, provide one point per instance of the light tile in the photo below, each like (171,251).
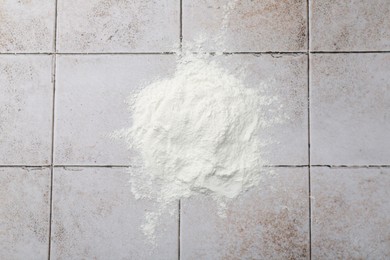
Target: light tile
(24,213)
(268,222)
(350,25)
(118,26)
(27,25)
(350,213)
(95,216)
(90,104)
(240,26)
(284,78)
(350,109)
(25,109)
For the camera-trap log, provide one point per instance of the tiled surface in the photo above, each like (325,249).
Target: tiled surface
(24,213)
(95,216)
(283,77)
(25,110)
(350,109)
(350,213)
(90,104)
(82,129)
(350,25)
(241,26)
(27,25)
(269,222)
(118,26)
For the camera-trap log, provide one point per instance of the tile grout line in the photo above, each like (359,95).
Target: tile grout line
(181,26)
(308,125)
(52,127)
(179,229)
(129,166)
(179,202)
(175,53)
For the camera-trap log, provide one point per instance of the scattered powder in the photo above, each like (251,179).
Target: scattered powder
(198,132)
(195,133)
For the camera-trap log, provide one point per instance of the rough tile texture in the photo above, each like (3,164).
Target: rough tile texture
(90,105)
(350,213)
(284,79)
(27,25)
(350,109)
(118,25)
(258,25)
(24,213)
(95,216)
(269,222)
(350,25)
(26,94)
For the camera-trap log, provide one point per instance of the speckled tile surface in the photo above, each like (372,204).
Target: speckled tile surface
(326,62)
(27,25)
(95,216)
(118,25)
(24,213)
(242,26)
(90,90)
(350,25)
(350,109)
(269,222)
(25,110)
(282,77)
(350,213)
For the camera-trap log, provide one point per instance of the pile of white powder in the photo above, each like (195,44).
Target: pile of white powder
(196,133)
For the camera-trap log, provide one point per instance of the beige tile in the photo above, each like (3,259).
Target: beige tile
(24,213)
(239,26)
(95,216)
(358,25)
(25,109)
(268,222)
(90,104)
(350,213)
(118,26)
(285,78)
(27,25)
(350,109)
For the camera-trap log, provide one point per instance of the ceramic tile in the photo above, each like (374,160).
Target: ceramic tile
(27,25)
(350,213)
(118,26)
(25,109)
(270,221)
(280,77)
(241,26)
(24,213)
(350,109)
(350,25)
(90,104)
(95,216)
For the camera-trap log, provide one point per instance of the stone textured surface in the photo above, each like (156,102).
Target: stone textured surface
(95,216)
(350,213)
(350,109)
(350,25)
(94,213)
(90,105)
(24,213)
(240,26)
(118,25)
(26,94)
(27,25)
(268,222)
(281,77)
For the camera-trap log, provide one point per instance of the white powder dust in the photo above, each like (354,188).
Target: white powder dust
(196,133)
